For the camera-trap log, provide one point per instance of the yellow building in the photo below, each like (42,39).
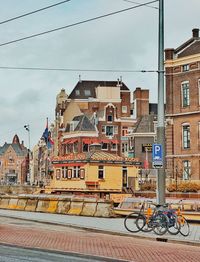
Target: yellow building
(94,172)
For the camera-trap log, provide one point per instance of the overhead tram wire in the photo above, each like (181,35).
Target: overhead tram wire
(133,2)
(33,12)
(77,69)
(77,23)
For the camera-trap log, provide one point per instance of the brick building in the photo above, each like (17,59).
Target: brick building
(96,111)
(182,67)
(13,162)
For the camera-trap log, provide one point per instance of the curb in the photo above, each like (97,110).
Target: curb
(68,253)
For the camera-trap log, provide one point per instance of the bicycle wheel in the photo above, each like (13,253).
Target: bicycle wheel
(148,225)
(160,224)
(184,226)
(134,222)
(174,226)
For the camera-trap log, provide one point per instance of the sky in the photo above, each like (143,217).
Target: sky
(125,41)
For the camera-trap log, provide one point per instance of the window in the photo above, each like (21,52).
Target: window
(124,130)
(113,147)
(124,109)
(185,94)
(186,169)
(76,172)
(87,92)
(77,92)
(101,172)
(103,129)
(124,148)
(64,172)
(104,146)
(109,118)
(76,147)
(85,147)
(109,130)
(186,136)
(185,68)
(124,176)
(115,129)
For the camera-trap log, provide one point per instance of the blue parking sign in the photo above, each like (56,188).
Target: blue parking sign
(157,155)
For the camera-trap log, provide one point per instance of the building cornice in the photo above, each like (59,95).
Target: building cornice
(183,114)
(182,60)
(183,156)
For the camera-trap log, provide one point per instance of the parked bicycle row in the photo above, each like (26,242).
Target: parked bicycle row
(157,218)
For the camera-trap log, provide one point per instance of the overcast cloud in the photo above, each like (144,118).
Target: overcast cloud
(125,41)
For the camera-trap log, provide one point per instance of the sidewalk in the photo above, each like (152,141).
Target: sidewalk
(105,225)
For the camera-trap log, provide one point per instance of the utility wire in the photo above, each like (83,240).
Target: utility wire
(77,23)
(133,2)
(77,69)
(33,12)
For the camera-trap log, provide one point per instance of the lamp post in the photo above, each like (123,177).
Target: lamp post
(27,127)
(161,123)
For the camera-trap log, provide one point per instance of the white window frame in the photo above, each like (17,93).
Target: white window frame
(186,169)
(115,129)
(124,109)
(186,143)
(114,147)
(76,172)
(87,92)
(106,149)
(109,133)
(101,168)
(185,86)
(65,172)
(185,68)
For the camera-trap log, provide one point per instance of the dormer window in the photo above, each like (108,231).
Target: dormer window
(185,68)
(77,92)
(109,118)
(87,92)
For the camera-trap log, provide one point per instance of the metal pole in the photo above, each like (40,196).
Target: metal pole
(161,123)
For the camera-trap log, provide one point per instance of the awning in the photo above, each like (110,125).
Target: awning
(72,141)
(66,142)
(86,141)
(115,141)
(105,141)
(90,140)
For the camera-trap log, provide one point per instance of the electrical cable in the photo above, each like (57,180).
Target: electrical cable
(77,69)
(77,23)
(32,12)
(133,2)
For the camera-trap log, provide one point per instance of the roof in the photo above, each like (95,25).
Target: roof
(16,147)
(97,156)
(84,124)
(90,86)
(191,46)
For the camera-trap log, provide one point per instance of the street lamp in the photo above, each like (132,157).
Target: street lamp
(161,122)
(27,127)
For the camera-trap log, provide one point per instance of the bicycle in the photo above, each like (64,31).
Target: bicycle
(135,221)
(139,221)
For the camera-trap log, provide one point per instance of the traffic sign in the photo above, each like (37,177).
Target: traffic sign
(157,156)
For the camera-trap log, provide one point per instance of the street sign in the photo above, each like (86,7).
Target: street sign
(157,156)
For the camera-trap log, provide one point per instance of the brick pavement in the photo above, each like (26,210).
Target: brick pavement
(114,225)
(60,238)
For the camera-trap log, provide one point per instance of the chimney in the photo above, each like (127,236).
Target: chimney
(195,32)
(169,53)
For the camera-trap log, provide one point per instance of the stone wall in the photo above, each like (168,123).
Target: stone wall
(58,205)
